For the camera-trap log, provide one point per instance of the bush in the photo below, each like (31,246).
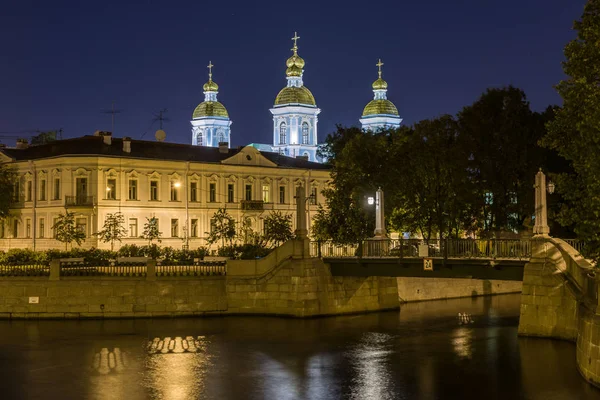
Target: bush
(243,251)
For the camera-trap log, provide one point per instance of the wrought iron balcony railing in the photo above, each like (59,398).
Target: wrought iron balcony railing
(78,201)
(252,205)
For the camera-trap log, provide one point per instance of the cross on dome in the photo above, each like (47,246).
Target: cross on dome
(209,66)
(295,39)
(379,65)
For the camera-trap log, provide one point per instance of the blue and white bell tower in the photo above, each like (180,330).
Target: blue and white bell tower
(295,113)
(210,121)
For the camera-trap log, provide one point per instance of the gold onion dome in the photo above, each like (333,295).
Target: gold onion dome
(210,86)
(380,84)
(210,109)
(295,95)
(376,107)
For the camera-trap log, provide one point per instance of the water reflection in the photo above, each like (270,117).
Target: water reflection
(370,361)
(462,340)
(107,361)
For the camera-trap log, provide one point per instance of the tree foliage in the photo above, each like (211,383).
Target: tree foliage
(278,228)
(65,230)
(113,229)
(7,180)
(151,230)
(575,131)
(223,228)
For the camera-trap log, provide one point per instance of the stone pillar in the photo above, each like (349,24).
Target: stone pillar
(541,206)
(54,270)
(380,232)
(301,230)
(151,270)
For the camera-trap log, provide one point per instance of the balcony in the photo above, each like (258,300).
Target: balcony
(79,201)
(255,205)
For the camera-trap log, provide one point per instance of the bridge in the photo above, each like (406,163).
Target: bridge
(490,259)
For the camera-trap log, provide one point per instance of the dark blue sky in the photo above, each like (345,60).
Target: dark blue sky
(64,62)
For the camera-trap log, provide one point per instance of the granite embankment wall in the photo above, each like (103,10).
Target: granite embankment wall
(421,289)
(286,283)
(560,301)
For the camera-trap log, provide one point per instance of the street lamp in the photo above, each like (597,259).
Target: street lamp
(551,187)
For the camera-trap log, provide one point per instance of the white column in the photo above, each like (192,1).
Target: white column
(541,206)
(379,215)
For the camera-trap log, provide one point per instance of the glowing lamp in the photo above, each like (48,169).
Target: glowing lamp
(371,200)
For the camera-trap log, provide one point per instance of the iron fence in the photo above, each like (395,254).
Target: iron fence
(108,269)
(207,268)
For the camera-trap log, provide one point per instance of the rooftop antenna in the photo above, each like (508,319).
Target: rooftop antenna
(160,117)
(112,111)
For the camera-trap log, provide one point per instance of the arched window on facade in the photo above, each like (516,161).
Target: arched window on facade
(282,133)
(220,136)
(304,133)
(199,139)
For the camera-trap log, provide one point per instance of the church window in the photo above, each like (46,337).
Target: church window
(199,138)
(304,133)
(220,136)
(282,133)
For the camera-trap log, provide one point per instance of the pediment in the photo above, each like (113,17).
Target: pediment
(249,156)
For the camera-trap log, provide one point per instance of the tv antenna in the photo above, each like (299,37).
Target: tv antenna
(112,111)
(160,117)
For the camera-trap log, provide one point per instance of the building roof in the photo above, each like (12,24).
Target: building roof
(143,149)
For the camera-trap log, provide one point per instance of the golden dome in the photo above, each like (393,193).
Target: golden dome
(379,84)
(295,95)
(293,71)
(210,86)
(210,109)
(376,107)
(295,60)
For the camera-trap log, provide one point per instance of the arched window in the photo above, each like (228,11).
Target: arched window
(282,133)
(220,136)
(199,138)
(304,133)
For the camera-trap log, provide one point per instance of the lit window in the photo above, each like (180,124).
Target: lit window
(174,228)
(111,189)
(304,133)
(194,230)
(265,193)
(199,138)
(175,190)
(282,133)
(81,225)
(133,227)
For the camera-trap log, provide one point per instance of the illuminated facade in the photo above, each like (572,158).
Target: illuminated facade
(380,113)
(210,121)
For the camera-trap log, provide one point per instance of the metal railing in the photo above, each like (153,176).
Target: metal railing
(103,269)
(577,245)
(206,268)
(252,205)
(436,248)
(79,200)
(24,270)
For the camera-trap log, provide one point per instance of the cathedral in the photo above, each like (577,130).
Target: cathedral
(295,114)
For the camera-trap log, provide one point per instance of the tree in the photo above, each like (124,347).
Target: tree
(223,228)
(113,229)
(278,228)
(65,230)
(43,138)
(575,131)
(151,231)
(7,180)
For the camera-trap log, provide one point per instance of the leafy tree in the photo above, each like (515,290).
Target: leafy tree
(151,231)
(278,228)
(43,138)
(575,131)
(66,231)
(7,179)
(223,228)
(113,229)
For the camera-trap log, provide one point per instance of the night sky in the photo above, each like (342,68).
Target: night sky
(62,63)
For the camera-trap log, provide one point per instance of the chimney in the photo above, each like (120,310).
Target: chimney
(22,144)
(107,137)
(127,144)
(223,147)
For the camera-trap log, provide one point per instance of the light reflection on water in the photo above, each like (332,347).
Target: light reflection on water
(419,353)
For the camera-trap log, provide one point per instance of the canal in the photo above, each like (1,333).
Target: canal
(424,351)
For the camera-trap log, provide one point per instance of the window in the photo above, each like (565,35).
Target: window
(42,227)
(304,133)
(194,230)
(81,225)
(194,191)
(282,133)
(281,194)
(15,232)
(29,191)
(56,188)
(81,187)
(27,228)
(248,192)
(1,229)
(133,189)
(43,189)
(199,138)
(212,193)
(54,221)
(133,227)
(213,225)
(175,190)
(174,227)
(220,136)
(265,193)
(111,189)
(16,190)
(230,193)
(154,190)
(313,196)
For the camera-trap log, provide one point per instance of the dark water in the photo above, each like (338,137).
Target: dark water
(421,352)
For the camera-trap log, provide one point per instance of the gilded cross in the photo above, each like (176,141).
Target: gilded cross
(295,39)
(379,65)
(210,65)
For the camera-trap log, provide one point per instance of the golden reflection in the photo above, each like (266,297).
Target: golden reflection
(107,361)
(372,380)
(176,367)
(462,342)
